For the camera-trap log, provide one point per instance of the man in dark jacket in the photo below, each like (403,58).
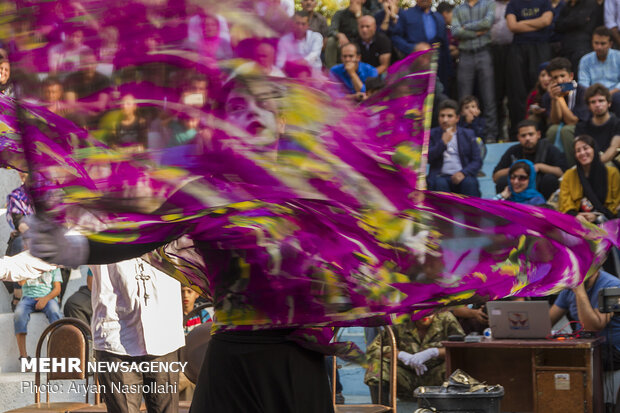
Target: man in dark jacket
(453,155)
(421,24)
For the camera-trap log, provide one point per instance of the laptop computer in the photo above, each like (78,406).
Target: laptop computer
(519,319)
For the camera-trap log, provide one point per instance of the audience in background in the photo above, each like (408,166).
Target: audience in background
(522,184)
(302,45)
(342,30)
(376,47)
(453,154)
(602,66)
(529,20)
(576,22)
(469,112)
(534,107)
(565,105)
(352,72)
(603,127)
(471,24)
(316,21)
(549,162)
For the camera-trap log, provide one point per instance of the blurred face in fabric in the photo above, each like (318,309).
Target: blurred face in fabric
(519,179)
(5,72)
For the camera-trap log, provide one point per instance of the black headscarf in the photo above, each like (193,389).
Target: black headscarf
(595,185)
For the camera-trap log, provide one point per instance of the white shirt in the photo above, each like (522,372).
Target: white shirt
(612,13)
(23,266)
(308,48)
(124,322)
(451,159)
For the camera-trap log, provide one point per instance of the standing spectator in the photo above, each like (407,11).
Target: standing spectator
(501,39)
(387,18)
(447,11)
(471,24)
(453,155)
(79,305)
(603,126)
(576,23)
(136,318)
(555,39)
(316,21)
(602,66)
(375,46)
(38,294)
(420,24)
(303,44)
(342,30)
(529,20)
(612,19)
(352,72)
(549,163)
(564,108)
(65,56)
(590,190)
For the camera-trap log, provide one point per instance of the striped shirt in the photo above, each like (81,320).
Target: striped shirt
(467,20)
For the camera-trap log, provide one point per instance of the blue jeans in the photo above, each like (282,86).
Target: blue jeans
(468,186)
(25,307)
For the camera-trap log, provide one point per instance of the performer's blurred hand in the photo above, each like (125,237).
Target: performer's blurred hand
(50,242)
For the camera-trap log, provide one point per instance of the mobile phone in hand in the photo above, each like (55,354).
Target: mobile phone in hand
(568,86)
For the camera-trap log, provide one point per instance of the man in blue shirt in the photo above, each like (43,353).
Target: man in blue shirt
(602,66)
(353,72)
(420,24)
(581,303)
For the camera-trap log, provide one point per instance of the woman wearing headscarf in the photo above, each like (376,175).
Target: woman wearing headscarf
(522,184)
(590,190)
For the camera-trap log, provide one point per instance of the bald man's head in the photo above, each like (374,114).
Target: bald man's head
(366,27)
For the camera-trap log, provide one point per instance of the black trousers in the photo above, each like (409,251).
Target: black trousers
(240,374)
(500,53)
(523,61)
(129,402)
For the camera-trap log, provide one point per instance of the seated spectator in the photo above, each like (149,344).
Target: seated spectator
(375,46)
(602,66)
(374,85)
(65,57)
(421,24)
(38,294)
(522,185)
(575,23)
(303,44)
(78,305)
(316,21)
(534,108)
(264,62)
(343,30)
(470,118)
(420,356)
(453,155)
(125,128)
(549,163)
(53,98)
(581,303)
(590,190)
(603,126)
(6,84)
(564,108)
(352,72)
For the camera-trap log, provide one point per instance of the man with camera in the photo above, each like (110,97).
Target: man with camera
(565,105)
(581,303)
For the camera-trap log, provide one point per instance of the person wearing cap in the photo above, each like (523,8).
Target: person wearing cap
(420,355)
